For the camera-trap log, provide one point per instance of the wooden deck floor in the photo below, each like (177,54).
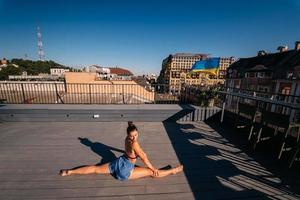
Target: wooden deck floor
(216,165)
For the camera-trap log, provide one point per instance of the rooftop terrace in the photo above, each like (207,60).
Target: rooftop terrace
(217,162)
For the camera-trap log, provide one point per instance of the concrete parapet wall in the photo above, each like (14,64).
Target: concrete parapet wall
(105,113)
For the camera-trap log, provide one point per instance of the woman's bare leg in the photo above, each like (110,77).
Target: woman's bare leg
(140,172)
(90,169)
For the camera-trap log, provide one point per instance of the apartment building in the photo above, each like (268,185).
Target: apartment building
(109,73)
(176,68)
(224,64)
(58,71)
(268,73)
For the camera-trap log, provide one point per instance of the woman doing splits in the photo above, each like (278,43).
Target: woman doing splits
(123,168)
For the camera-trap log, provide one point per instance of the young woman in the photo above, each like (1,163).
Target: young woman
(123,167)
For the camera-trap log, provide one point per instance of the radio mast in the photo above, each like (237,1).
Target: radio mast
(40,45)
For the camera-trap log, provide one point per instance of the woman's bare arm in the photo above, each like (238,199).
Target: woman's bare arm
(139,151)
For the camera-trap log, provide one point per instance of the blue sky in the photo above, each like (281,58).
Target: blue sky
(137,34)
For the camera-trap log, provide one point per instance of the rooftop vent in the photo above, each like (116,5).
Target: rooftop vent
(282,49)
(261,53)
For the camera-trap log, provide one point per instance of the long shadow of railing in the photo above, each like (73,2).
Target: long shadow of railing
(207,177)
(265,155)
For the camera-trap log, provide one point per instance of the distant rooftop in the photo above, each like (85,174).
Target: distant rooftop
(279,63)
(120,71)
(189,54)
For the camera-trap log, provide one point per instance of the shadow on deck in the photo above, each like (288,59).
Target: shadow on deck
(219,165)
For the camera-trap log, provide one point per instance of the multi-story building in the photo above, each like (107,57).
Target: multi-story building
(117,73)
(109,73)
(176,71)
(151,78)
(267,73)
(92,68)
(224,64)
(58,71)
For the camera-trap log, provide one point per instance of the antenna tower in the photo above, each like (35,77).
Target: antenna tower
(40,45)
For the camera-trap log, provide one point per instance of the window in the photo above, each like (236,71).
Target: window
(260,75)
(289,75)
(268,74)
(251,74)
(286,90)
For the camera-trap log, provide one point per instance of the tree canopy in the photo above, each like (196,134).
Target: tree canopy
(30,66)
(9,70)
(36,67)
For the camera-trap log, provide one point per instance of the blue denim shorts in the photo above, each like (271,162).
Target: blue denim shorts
(121,168)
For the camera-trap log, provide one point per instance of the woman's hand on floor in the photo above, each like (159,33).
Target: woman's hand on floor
(155,172)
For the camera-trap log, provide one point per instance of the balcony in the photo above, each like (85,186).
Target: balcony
(257,81)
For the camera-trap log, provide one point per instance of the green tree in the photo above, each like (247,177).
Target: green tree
(9,70)
(36,67)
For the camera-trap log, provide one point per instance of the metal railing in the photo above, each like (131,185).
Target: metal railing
(290,101)
(71,93)
(274,102)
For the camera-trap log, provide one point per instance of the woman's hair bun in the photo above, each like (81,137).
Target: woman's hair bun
(130,123)
(131,127)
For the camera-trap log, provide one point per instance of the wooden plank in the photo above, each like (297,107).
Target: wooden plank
(31,155)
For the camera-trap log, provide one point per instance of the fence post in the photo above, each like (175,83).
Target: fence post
(23,93)
(223,110)
(193,115)
(123,94)
(65,84)
(56,92)
(187,94)
(90,91)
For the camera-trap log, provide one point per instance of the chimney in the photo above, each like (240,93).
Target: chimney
(297,45)
(282,49)
(261,53)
